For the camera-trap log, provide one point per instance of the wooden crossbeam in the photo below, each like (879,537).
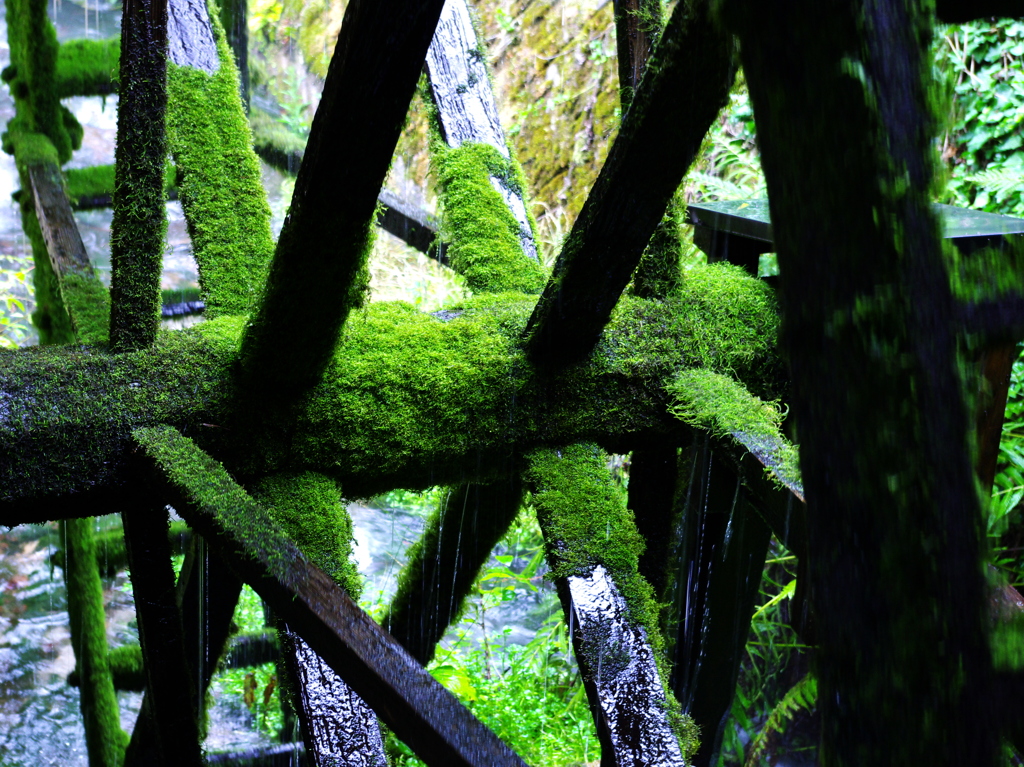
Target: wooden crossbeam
(677,100)
(419,710)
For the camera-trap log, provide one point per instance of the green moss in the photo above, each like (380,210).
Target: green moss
(219,187)
(406,398)
(222,503)
(582,512)
(87,301)
(125,667)
(659,272)
(309,508)
(32,79)
(987,274)
(723,406)
(105,740)
(95,181)
(88,67)
(482,232)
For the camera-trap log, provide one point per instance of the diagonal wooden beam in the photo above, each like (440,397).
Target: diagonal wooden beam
(418,709)
(317,274)
(687,84)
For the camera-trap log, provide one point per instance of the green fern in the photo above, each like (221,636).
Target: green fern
(801,697)
(1005,179)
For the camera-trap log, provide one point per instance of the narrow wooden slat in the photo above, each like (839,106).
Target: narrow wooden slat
(315,277)
(170,703)
(418,709)
(692,71)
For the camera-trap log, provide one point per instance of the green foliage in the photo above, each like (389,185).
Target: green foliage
(1008,487)
(257,688)
(16,295)
(531,696)
(801,697)
(981,66)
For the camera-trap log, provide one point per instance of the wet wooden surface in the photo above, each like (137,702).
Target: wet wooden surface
(421,712)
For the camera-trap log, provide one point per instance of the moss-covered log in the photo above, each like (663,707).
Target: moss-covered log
(409,399)
(140,222)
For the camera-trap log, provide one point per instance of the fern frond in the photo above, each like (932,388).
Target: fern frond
(801,696)
(998,179)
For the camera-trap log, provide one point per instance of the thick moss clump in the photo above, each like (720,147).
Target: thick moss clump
(482,232)
(88,302)
(723,406)
(88,67)
(219,183)
(95,181)
(308,506)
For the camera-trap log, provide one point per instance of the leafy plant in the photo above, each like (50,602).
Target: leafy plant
(801,697)
(16,300)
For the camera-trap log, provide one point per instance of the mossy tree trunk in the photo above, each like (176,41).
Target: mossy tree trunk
(893,511)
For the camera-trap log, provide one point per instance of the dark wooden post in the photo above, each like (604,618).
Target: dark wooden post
(893,512)
(139,223)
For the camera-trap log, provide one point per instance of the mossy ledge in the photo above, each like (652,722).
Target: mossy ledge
(406,398)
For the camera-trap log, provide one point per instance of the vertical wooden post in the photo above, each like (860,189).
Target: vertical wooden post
(139,223)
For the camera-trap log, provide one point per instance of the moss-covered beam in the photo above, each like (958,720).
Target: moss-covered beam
(140,222)
(638,24)
(84,298)
(593,548)
(877,393)
(318,274)
(88,67)
(218,174)
(409,399)
(105,740)
(486,219)
(443,564)
(337,726)
(418,709)
(687,84)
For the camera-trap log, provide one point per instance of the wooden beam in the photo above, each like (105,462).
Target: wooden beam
(418,709)
(467,112)
(691,73)
(337,726)
(315,277)
(139,222)
(170,703)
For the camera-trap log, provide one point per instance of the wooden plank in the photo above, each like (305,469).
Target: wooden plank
(337,726)
(60,232)
(170,702)
(466,109)
(207,592)
(660,136)
(315,274)
(419,710)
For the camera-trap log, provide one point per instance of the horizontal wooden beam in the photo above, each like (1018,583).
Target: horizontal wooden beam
(421,712)
(409,400)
